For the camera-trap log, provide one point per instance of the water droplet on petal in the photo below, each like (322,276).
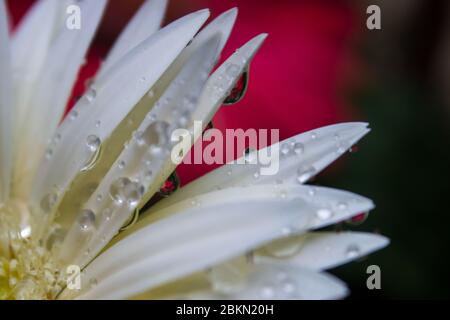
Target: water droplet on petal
(358,219)
(353,251)
(324,214)
(285,149)
(123,190)
(170,185)
(313,135)
(250,156)
(299,148)
(91,94)
(93,142)
(305,173)
(239,89)
(86,220)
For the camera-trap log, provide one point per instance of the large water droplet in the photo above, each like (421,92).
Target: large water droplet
(353,251)
(239,89)
(123,190)
(86,220)
(93,142)
(227,278)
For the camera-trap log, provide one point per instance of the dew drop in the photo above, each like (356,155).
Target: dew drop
(305,173)
(121,164)
(91,94)
(93,142)
(86,220)
(73,115)
(107,214)
(353,251)
(285,149)
(250,156)
(123,190)
(170,185)
(299,148)
(98,123)
(48,153)
(239,89)
(324,214)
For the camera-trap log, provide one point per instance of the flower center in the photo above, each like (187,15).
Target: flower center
(27,269)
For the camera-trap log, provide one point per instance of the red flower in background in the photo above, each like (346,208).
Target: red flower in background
(297,78)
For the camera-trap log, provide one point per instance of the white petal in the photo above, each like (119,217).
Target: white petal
(61,66)
(28,67)
(6,110)
(74,200)
(131,163)
(109,100)
(282,282)
(212,228)
(320,148)
(144,23)
(320,250)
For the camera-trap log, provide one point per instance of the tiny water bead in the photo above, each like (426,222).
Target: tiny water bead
(86,220)
(250,156)
(353,251)
(285,149)
(91,94)
(121,164)
(107,214)
(48,153)
(298,148)
(93,142)
(305,173)
(123,190)
(324,214)
(73,115)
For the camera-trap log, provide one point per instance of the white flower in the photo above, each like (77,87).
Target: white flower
(66,190)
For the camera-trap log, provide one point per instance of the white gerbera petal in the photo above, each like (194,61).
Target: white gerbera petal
(220,225)
(320,250)
(309,153)
(130,171)
(62,63)
(144,23)
(87,181)
(27,68)
(6,107)
(108,101)
(281,282)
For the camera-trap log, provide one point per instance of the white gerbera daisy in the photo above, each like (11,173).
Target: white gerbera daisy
(67,190)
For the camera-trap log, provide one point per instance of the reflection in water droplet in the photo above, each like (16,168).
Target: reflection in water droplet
(239,89)
(285,149)
(170,185)
(86,220)
(358,219)
(250,156)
